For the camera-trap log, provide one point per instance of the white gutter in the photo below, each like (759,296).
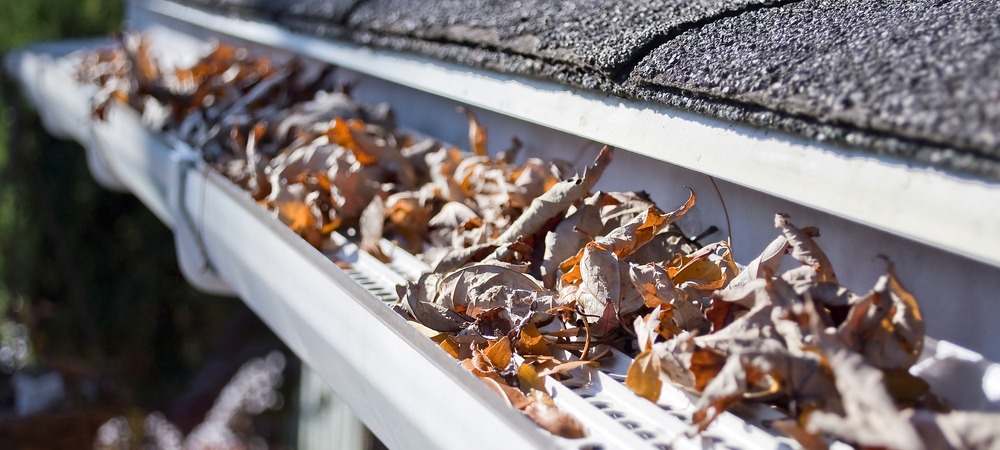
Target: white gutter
(409,392)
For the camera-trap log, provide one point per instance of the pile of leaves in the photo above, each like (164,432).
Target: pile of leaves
(536,273)
(318,159)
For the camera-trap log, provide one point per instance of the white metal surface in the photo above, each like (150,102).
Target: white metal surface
(142,164)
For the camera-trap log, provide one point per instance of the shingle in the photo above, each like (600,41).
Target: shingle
(922,71)
(600,37)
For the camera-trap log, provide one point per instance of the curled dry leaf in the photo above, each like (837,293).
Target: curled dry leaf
(643,375)
(597,270)
(885,326)
(556,200)
(477,132)
(370,227)
(869,418)
(545,413)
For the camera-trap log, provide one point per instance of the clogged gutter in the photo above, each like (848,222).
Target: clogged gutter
(536,274)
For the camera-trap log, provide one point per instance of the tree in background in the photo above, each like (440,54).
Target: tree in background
(89,284)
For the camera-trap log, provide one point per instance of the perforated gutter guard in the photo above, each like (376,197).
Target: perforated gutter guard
(411,394)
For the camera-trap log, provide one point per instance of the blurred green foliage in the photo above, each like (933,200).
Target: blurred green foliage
(93,273)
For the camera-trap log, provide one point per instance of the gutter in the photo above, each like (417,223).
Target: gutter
(413,395)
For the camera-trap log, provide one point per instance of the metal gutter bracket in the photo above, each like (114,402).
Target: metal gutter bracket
(191,254)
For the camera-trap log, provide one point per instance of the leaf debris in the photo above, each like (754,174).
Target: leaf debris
(537,274)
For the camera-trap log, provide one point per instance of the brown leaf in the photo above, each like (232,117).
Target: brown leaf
(705,365)
(763,266)
(725,388)
(515,398)
(450,346)
(600,282)
(532,342)
(544,412)
(808,441)
(627,238)
(370,229)
(477,132)
(635,233)
(499,353)
(566,367)
(413,299)
(658,290)
(707,269)
(885,325)
(570,235)
(870,418)
(643,376)
(556,200)
(485,287)
(721,313)
(297,215)
(903,386)
(805,250)
(409,218)
(344,134)
(529,379)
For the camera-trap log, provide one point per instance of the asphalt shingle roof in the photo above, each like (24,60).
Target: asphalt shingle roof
(919,79)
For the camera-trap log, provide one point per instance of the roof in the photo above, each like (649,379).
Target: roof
(917,79)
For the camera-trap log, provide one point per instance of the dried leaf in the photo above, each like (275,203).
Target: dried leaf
(450,346)
(805,250)
(657,289)
(643,376)
(763,266)
(556,200)
(529,379)
(477,132)
(499,352)
(566,367)
(885,326)
(486,287)
(409,218)
(544,412)
(345,135)
(600,282)
(413,299)
(370,229)
(531,342)
(870,418)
